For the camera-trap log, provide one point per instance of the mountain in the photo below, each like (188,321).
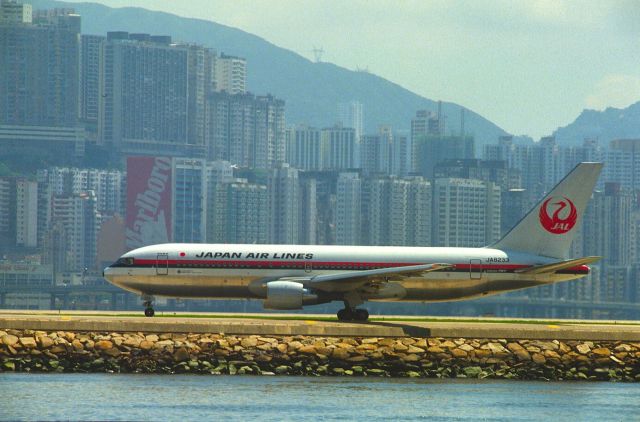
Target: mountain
(612,123)
(311,90)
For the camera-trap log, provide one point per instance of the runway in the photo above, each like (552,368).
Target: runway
(322,325)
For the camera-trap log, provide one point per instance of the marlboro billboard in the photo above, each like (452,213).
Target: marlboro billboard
(148,201)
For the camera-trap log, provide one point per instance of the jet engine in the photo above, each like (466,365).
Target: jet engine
(287,295)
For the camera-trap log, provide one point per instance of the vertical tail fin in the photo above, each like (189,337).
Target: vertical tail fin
(549,227)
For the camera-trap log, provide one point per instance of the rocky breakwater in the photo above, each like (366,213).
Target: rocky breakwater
(27,350)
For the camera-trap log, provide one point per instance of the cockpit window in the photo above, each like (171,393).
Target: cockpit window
(125,261)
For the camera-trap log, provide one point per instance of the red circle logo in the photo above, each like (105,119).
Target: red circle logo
(564,215)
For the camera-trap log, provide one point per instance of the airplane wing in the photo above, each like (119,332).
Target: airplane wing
(351,280)
(560,265)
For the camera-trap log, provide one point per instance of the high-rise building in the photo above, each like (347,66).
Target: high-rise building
(13,12)
(246,130)
(107,185)
(307,232)
(305,149)
(26,213)
(247,216)
(350,115)
(76,220)
(189,200)
(418,213)
(495,171)
(284,203)
(90,73)
(153,95)
(385,153)
(340,148)
(607,225)
(466,212)
(622,163)
(348,209)
(424,123)
(230,74)
(431,150)
(39,62)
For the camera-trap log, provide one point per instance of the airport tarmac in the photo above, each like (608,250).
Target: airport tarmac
(322,325)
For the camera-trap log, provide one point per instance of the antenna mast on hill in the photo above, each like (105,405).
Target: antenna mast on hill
(317,53)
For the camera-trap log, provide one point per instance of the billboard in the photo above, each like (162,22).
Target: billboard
(148,201)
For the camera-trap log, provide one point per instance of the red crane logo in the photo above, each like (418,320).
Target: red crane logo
(555,223)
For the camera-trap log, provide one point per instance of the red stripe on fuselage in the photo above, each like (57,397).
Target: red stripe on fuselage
(337,265)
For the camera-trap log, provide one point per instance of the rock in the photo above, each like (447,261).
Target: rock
(103,345)
(495,348)
(325,351)
(370,340)
(435,349)
(77,345)
(146,345)
(28,342)
(546,345)
(523,355)
(386,342)
(413,349)
(308,349)
(339,353)
(459,353)
(338,371)
(465,347)
(472,371)
(538,358)
(152,338)
(294,345)
(113,352)
(181,354)
(281,370)
(249,342)
(413,374)
(601,351)
(9,339)
(45,342)
(9,366)
(550,354)
(411,358)
(623,348)
(514,347)
(583,348)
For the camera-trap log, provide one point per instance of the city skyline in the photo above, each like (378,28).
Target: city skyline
(529,67)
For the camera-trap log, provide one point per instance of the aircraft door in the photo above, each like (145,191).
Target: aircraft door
(307,267)
(162,264)
(475,269)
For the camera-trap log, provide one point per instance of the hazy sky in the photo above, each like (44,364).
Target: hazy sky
(529,66)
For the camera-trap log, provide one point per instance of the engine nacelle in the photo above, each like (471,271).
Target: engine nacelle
(288,295)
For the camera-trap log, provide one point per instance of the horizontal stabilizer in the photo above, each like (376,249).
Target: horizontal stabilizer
(561,265)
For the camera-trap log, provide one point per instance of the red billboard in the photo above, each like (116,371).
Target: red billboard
(148,201)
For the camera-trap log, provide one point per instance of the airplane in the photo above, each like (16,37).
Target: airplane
(287,277)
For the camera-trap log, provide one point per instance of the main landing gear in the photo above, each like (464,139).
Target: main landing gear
(148,306)
(349,314)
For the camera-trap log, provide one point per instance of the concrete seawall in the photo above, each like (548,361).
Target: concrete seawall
(250,346)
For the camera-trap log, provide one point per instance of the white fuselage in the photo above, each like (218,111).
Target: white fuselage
(242,271)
